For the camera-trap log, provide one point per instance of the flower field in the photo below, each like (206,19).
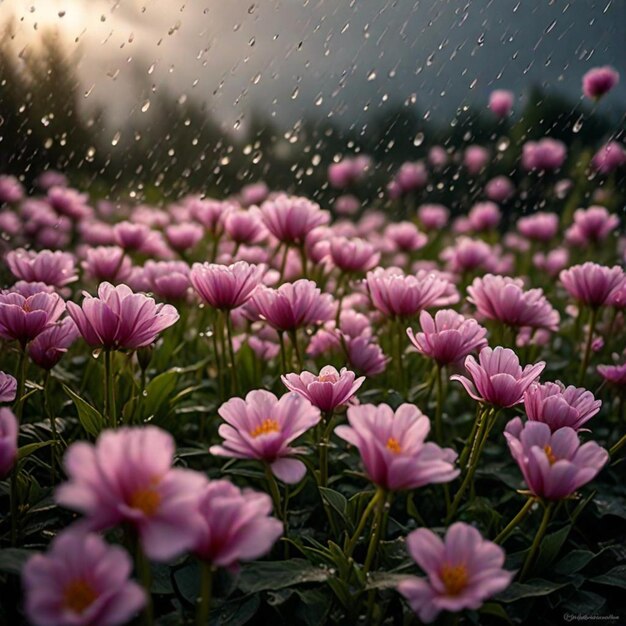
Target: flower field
(257,410)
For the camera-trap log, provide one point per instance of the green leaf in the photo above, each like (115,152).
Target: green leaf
(264,575)
(385,580)
(550,547)
(236,612)
(533,588)
(336,500)
(615,577)
(155,400)
(90,418)
(497,610)
(13,559)
(28,449)
(574,561)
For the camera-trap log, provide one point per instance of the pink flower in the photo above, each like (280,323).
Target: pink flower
(183,236)
(498,378)
(245,226)
(449,337)
(499,189)
(395,294)
(592,284)
(225,287)
(559,406)
(615,374)
(169,280)
(261,427)
(554,464)
(469,255)
(501,102)
(11,189)
(50,345)
(127,477)
(290,218)
(236,525)
(51,268)
(23,318)
(591,225)
(366,356)
(348,171)
(609,158)
(120,319)
(539,227)
(484,216)
(132,237)
(69,202)
(8,387)
(210,213)
(254,193)
(406,236)
(553,262)
(462,571)
(599,81)
(475,159)
(393,448)
(433,216)
(353,255)
(504,299)
(327,391)
(545,154)
(81,581)
(293,305)
(409,178)
(8,440)
(107,263)
(438,157)
(347,204)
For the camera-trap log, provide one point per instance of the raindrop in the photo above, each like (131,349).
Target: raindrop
(145,106)
(116,138)
(295,92)
(372,75)
(578,124)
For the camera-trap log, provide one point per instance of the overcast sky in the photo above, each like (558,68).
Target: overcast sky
(344,58)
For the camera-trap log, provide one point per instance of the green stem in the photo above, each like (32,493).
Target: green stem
(283,264)
(510,527)
(283,353)
(231,352)
(479,442)
(547,513)
(593,316)
(206,594)
(349,549)
(293,336)
(109,392)
(375,535)
(439,409)
(144,574)
(303,260)
(18,410)
(468,444)
(53,425)
(323,448)
(618,446)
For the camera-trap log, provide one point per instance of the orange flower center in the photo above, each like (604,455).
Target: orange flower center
(548,450)
(266,426)
(394,445)
(454,578)
(26,307)
(146,500)
(78,596)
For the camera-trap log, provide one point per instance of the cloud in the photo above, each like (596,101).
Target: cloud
(345,59)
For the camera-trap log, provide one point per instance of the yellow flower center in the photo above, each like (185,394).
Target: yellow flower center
(454,578)
(146,500)
(394,445)
(26,307)
(548,450)
(266,426)
(78,596)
